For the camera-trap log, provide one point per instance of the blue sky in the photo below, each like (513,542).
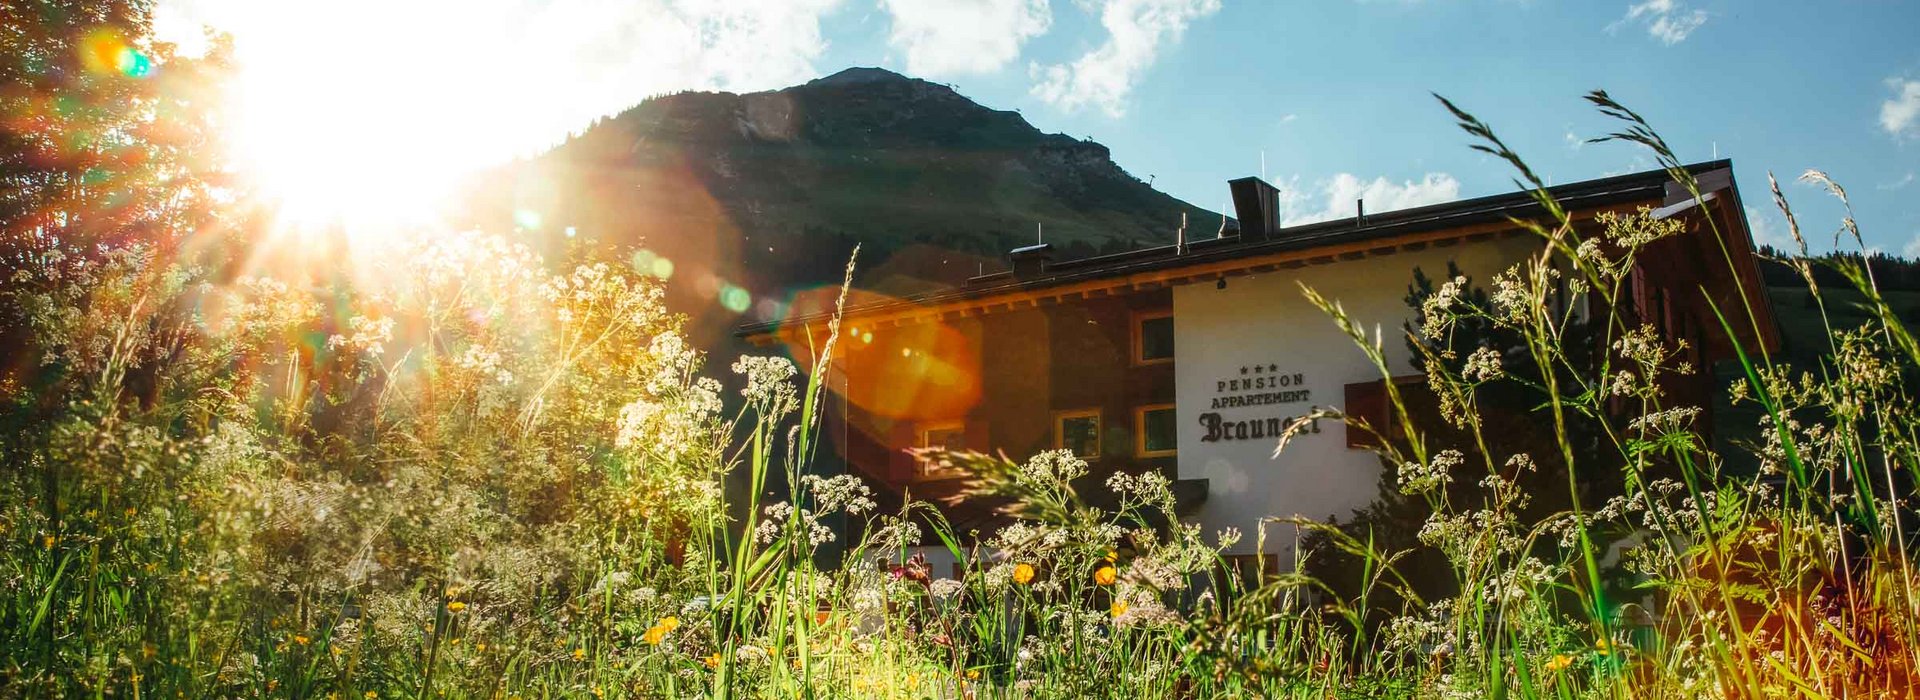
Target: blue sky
(1334,90)
(1190,93)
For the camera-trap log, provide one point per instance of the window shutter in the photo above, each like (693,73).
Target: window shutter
(1368,401)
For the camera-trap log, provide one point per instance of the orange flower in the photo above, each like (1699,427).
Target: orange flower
(1559,662)
(1023,573)
(820,618)
(1105,575)
(712,660)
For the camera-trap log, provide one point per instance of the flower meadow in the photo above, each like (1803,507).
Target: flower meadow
(465,469)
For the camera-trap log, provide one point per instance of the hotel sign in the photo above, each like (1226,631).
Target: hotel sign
(1256,385)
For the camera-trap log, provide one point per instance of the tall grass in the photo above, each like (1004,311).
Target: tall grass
(486,475)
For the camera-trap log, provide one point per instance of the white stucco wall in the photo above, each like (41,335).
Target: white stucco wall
(1264,320)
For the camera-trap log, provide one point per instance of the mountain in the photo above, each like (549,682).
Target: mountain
(769,191)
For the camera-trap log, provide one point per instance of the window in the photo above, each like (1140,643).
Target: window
(1156,431)
(1078,431)
(951,434)
(1153,338)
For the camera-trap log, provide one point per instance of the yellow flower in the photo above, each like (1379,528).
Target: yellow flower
(1105,575)
(370,695)
(301,639)
(479,646)
(1601,647)
(973,673)
(1119,608)
(1559,662)
(1023,573)
(456,606)
(712,660)
(579,653)
(1112,555)
(658,632)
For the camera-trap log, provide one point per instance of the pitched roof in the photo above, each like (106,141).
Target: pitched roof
(1477,216)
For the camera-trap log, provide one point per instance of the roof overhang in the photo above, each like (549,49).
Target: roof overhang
(1441,225)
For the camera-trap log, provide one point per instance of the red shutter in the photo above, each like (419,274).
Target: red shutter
(1368,401)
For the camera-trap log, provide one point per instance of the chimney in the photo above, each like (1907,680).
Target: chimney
(1257,205)
(1030,261)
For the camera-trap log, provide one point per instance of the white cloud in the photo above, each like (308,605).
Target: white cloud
(1669,21)
(1769,230)
(1896,184)
(507,76)
(1912,249)
(1136,31)
(1335,197)
(958,37)
(1900,114)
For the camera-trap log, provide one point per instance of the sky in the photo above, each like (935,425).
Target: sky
(1329,99)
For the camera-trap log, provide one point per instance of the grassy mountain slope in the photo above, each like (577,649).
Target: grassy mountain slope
(769,191)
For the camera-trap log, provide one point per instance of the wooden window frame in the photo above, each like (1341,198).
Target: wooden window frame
(1136,339)
(920,432)
(1099,427)
(1140,431)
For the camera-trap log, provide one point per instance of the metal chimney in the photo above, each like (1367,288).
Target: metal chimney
(1257,205)
(1030,261)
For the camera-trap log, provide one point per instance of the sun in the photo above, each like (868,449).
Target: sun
(370,127)
(330,149)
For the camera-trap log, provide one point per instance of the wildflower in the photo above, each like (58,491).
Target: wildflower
(751,654)
(1417,478)
(1601,647)
(973,674)
(579,653)
(820,618)
(712,660)
(658,632)
(370,695)
(1119,608)
(1105,575)
(301,639)
(1483,365)
(1559,662)
(1023,573)
(768,379)
(456,606)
